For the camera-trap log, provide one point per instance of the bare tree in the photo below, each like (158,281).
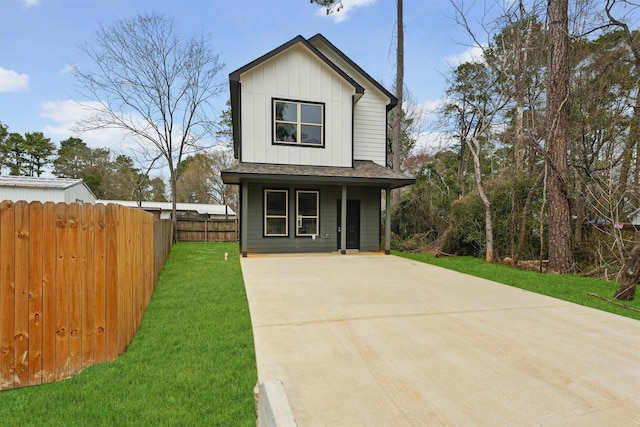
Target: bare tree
(560,237)
(475,100)
(222,158)
(152,84)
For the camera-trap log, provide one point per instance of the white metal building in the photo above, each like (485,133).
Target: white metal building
(162,210)
(40,189)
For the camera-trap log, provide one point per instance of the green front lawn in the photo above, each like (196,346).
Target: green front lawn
(566,287)
(192,361)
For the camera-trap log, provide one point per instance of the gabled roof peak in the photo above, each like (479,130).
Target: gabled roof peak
(235,75)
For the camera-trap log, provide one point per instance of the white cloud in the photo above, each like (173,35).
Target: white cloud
(431,138)
(66,113)
(30,3)
(432,142)
(472,54)
(67,68)
(346,7)
(10,81)
(430,107)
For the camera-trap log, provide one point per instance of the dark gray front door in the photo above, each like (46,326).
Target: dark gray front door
(353,224)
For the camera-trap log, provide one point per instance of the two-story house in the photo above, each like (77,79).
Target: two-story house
(310,134)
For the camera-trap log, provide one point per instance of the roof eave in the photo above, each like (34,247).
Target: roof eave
(235,178)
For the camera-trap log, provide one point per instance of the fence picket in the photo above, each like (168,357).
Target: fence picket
(74,256)
(49,262)
(62,293)
(138,282)
(21,332)
(88,280)
(36,279)
(100,258)
(123,273)
(111,281)
(7,295)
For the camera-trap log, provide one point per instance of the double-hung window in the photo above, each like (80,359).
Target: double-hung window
(297,122)
(307,210)
(276,208)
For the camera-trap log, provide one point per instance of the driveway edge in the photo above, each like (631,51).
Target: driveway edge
(273,406)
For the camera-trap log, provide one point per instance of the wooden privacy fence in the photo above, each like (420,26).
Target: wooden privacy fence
(75,281)
(210,230)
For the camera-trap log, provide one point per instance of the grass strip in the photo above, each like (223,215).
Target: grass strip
(192,361)
(562,286)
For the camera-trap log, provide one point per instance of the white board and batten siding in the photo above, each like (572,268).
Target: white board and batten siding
(296,74)
(370,129)
(370,115)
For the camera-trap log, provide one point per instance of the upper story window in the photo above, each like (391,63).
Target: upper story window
(298,123)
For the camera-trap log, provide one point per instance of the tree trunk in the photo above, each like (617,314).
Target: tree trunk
(488,233)
(174,179)
(397,117)
(488,217)
(631,275)
(560,240)
(462,161)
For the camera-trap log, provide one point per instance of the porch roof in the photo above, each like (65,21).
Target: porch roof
(363,172)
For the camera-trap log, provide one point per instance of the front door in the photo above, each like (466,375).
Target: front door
(353,224)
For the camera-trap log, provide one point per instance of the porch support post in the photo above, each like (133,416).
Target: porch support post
(387,227)
(343,221)
(244,205)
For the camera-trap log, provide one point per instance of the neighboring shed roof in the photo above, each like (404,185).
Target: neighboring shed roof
(37,182)
(33,183)
(363,172)
(205,209)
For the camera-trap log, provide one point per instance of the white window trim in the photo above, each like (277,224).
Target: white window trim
(299,123)
(285,216)
(299,217)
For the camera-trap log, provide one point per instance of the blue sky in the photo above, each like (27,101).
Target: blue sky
(39,39)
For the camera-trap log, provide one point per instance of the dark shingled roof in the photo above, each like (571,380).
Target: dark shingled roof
(363,172)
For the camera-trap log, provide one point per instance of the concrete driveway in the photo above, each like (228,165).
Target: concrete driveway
(375,340)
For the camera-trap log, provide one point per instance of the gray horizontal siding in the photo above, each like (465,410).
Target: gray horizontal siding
(326,241)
